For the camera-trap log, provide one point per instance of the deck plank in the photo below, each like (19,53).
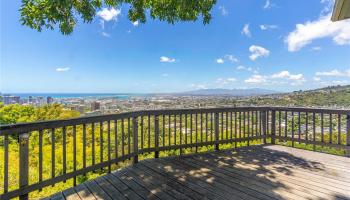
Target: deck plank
(253,173)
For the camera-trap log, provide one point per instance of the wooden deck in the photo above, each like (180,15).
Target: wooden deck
(259,172)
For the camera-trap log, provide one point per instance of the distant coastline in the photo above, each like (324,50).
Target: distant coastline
(77,95)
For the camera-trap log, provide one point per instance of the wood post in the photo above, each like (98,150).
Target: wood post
(23,162)
(264,125)
(135,139)
(156,136)
(348,135)
(216,123)
(273,128)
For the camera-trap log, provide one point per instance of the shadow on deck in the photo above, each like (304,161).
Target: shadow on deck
(256,172)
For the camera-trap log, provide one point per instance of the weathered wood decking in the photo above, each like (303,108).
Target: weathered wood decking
(257,172)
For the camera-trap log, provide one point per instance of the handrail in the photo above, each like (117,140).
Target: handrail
(117,137)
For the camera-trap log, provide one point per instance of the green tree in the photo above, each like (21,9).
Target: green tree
(15,113)
(39,14)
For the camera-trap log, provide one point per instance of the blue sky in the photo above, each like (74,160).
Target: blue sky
(282,45)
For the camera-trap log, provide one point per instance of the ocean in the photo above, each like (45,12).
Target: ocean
(77,95)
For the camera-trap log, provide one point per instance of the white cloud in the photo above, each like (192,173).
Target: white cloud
(244,68)
(258,51)
(334,72)
(225,81)
(223,10)
(283,77)
(256,78)
(295,79)
(267,5)
(109,14)
(323,27)
(167,59)
(220,61)
(246,31)
(104,34)
(136,23)
(62,69)
(165,75)
(231,58)
(317,48)
(199,86)
(265,27)
(317,79)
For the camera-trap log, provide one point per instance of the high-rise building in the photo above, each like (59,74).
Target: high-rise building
(11,99)
(49,100)
(95,105)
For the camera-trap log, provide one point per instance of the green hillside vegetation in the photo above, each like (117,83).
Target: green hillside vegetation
(337,96)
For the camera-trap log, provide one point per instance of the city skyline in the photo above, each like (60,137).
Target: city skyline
(269,47)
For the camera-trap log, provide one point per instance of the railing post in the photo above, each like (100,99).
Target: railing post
(348,135)
(135,139)
(273,128)
(263,118)
(23,162)
(156,136)
(216,123)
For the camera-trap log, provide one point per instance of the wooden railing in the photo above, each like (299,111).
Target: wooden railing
(74,147)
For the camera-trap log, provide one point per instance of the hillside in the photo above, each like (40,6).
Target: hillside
(335,96)
(229,92)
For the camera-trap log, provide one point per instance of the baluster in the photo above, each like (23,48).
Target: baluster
(169,130)
(196,133)
(240,125)
(129,136)
(53,154)
(236,129)
(163,130)
(109,145)
(330,129)
(292,129)
(201,124)
(84,145)
(322,128)
(180,133)
(286,125)
(186,128)
(23,162)
(64,158)
(216,131)
(206,127)
(135,140)
(299,128)
(93,143)
(74,154)
(248,123)
(40,156)
(264,129)
(279,123)
(231,126)
(307,126)
(348,135)
(222,126)
(226,125)
(6,163)
(314,130)
(123,137)
(149,131)
(175,129)
(142,132)
(339,128)
(191,129)
(101,143)
(211,127)
(156,136)
(116,138)
(273,127)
